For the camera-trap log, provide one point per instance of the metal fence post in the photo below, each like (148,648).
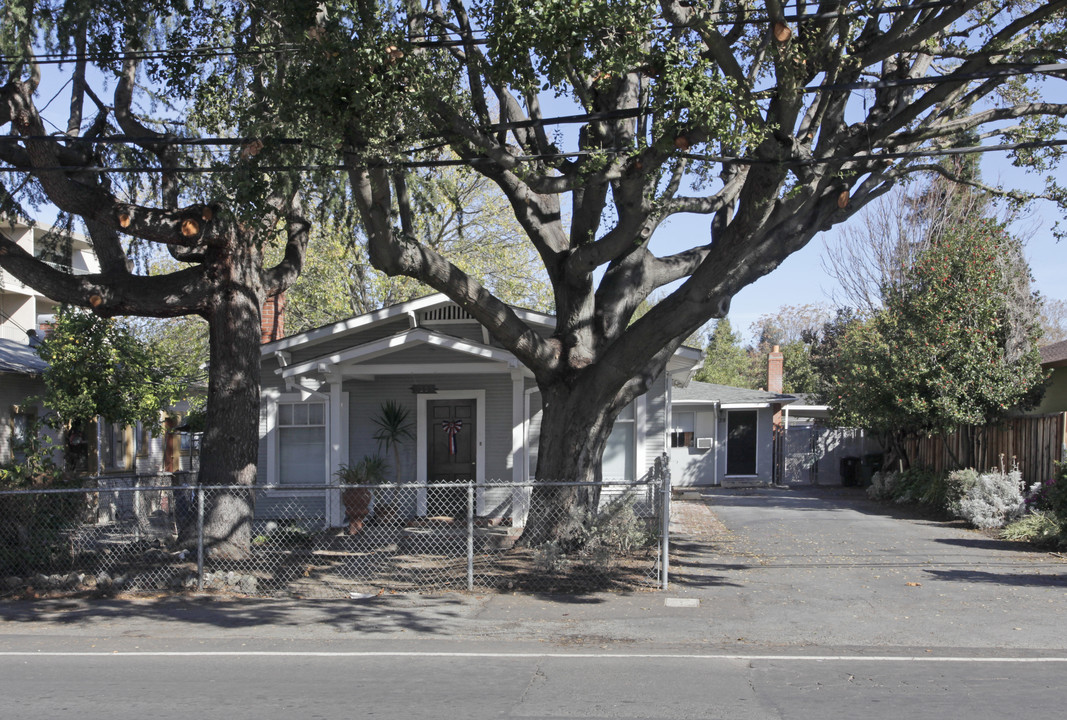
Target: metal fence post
(665,532)
(199,537)
(470,536)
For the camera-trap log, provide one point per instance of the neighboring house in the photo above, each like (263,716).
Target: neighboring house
(20,380)
(1054,361)
(474,408)
(26,314)
(134,450)
(722,435)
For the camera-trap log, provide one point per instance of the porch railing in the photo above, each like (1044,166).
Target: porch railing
(124,534)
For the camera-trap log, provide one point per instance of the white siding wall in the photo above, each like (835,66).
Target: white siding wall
(692,465)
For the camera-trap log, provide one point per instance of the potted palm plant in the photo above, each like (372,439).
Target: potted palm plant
(357,499)
(394,427)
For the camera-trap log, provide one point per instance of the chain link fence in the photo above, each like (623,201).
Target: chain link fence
(160,533)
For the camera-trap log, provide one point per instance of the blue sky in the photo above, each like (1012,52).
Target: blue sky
(801,279)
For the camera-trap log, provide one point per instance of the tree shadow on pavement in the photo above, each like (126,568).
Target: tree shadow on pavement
(1006,578)
(693,564)
(386,612)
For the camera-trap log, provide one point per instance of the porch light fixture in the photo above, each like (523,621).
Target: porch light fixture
(423,389)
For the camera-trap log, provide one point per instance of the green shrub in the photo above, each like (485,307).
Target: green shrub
(34,528)
(959,483)
(1050,495)
(881,487)
(991,500)
(909,486)
(1041,527)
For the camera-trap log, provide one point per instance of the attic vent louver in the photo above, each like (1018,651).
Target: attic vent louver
(445,313)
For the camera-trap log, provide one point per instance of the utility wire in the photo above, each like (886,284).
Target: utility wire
(868,158)
(1007,70)
(430,42)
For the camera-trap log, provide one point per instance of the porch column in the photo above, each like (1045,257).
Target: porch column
(520,496)
(338,449)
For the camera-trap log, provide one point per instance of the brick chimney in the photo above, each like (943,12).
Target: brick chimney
(775,366)
(272,318)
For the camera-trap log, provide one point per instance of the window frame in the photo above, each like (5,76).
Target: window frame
(273,437)
(632,415)
(115,438)
(677,435)
(22,422)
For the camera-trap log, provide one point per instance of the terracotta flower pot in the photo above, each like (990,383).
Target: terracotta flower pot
(357,507)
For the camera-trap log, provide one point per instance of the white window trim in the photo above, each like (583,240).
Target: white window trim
(272,400)
(640,459)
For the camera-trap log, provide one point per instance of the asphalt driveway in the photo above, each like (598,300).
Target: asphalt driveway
(827,567)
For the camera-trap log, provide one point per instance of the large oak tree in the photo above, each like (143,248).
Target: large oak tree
(218,232)
(773,124)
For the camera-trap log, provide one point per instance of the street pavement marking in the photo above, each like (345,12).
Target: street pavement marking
(565,656)
(681,602)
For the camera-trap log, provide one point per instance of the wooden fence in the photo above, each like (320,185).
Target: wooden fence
(1035,443)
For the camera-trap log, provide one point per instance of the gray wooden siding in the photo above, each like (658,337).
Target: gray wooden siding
(655,424)
(468,331)
(348,340)
(308,509)
(428,355)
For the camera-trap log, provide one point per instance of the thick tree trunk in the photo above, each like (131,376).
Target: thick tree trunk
(575,426)
(231,439)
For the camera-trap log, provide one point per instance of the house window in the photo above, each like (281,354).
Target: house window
(22,421)
(684,430)
(113,446)
(142,436)
(302,443)
(618,461)
(741,442)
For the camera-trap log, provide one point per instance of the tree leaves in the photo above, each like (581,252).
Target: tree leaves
(97,367)
(956,342)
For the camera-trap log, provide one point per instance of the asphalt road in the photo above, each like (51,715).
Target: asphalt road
(785,604)
(495,685)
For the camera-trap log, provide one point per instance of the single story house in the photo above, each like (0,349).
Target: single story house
(474,409)
(1054,362)
(723,435)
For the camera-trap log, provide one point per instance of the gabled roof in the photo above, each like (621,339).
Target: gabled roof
(394,343)
(431,310)
(21,359)
(709,393)
(1054,355)
(390,314)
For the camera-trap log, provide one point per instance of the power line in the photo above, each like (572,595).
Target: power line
(995,71)
(431,42)
(1004,70)
(871,158)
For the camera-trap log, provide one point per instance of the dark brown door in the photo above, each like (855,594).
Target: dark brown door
(451,455)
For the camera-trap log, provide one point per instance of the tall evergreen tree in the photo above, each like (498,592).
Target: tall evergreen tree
(955,344)
(726,362)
